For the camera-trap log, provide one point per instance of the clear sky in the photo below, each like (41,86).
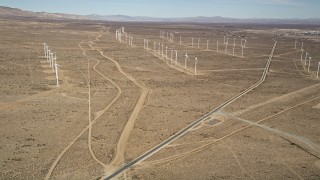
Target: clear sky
(176,8)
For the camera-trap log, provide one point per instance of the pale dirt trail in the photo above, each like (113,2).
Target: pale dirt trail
(212,141)
(121,146)
(312,88)
(226,70)
(291,52)
(53,166)
(99,113)
(311,146)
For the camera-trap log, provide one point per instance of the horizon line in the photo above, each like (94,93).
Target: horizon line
(158,17)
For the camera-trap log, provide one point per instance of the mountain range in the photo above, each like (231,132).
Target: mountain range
(14,12)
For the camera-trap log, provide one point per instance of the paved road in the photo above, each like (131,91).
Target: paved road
(195,123)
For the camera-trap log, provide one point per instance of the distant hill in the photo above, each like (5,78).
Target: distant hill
(14,12)
(215,19)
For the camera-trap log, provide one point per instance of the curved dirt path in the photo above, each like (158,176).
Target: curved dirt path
(91,122)
(121,146)
(98,113)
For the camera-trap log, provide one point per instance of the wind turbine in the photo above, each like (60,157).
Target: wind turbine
(301,46)
(226,43)
(180,40)
(185,60)
(159,49)
(162,49)
(147,44)
(243,42)
(57,74)
(166,52)
(126,38)
(47,47)
(309,64)
(302,51)
(171,54)
(198,43)
(54,60)
(116,33)
(48,54)
(176,57)
(195,65)
(49,57)
(234,45)
(207,44)
(45,50)
(154,47)
(305,59)
(243,45)
(171,37)
(52,64)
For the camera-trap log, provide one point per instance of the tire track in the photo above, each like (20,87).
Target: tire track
(245,172)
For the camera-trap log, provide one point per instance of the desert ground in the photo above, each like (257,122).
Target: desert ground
(116,101)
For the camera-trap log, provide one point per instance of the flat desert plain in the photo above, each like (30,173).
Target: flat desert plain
(116,101)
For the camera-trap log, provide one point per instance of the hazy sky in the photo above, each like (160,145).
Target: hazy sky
(176,8)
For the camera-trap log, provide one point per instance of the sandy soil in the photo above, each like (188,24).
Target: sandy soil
(116,102)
